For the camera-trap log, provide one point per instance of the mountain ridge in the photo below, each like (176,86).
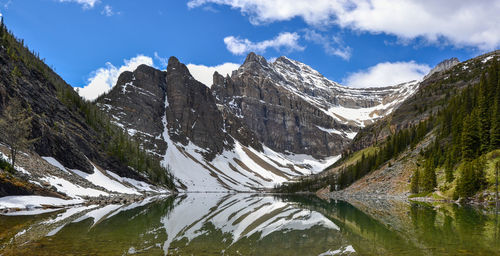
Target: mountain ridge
(206,128)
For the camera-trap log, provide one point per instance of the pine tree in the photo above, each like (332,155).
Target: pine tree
(484,116)
(470,137)
(429,177)
(466,181)
(479,175)
(448,168)
(414,183)
(492,80)
(495,121)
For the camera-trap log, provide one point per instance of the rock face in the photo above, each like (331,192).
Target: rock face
(244,131)
(191,112)
(207,146)
(293,108)
(60,129)
(443,66)
(141,99)
(137,105)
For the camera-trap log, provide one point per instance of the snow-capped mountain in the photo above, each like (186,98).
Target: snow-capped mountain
(292,107)
(205,147)
(266,124)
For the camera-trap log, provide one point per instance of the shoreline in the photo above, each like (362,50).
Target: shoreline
(123,199)
(337,195)
(28,203)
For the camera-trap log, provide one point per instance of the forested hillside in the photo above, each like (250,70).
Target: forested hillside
(453,120)
(64,125)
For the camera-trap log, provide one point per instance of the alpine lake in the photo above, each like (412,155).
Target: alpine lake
(254,224)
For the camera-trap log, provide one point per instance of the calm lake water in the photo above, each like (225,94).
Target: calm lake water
(246,224)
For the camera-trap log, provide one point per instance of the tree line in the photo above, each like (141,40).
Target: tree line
(466,128)
(469,128)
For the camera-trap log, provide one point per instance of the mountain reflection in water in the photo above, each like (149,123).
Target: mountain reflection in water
(250,224)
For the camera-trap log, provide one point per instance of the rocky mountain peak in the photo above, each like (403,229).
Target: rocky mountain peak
(443,66)
(174,65)
(136,104)
(253,57)
(218,78)
(255,64)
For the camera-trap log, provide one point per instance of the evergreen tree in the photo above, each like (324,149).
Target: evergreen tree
(493,80)
(470,137)
(448,168)
(415,180)
(484,115)
(472,178)
(495,122)
(465,184)
(429,177)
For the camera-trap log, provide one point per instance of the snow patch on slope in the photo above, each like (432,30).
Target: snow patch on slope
(100,179)
(241,169)
(335,100)
(71,189)
(362,116)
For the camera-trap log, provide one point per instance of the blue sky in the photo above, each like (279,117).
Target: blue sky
(354,42)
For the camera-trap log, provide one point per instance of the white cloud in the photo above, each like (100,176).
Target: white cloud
(387,74)
(205,74)
(286,40)
(108,11)
(459,22)
(333,45)
(103,79)
(87,4)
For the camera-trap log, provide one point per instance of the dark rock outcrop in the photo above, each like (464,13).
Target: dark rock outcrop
(144,98)
(191,112)
(137,104)
(60,128)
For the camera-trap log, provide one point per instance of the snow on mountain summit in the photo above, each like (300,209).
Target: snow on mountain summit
(358,106)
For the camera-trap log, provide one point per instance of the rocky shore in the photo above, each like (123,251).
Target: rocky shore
(486,199)
(121,199)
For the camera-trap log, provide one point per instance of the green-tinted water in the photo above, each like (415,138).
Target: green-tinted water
(245,224)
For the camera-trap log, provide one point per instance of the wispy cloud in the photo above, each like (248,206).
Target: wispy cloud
(286,40)
(387,74)
(460,23)
(86,4)
(108,11)
(333,45)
